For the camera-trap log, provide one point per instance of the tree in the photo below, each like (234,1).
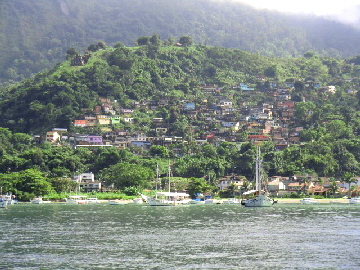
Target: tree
(271,71)
(32,183)
(155,40)
(159,150)
(209,150)
(348,178)
(334,186)
(144,40)
(71,52)
(61,184)
(309,54)
(198,185)
(126,174)
(186,41)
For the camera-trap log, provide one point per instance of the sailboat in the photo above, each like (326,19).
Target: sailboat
(261,199)
(166,198)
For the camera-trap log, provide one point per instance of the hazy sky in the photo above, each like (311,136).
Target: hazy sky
(347,11)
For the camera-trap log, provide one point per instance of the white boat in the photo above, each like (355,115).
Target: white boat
(3,204)
(7,199)
(355,200)
(167,199)
(138,201)
(213,201)
(231,201)
(260,198)
(114,202)
(308,201)
(77,199)
(197,201)
(92,200)
(37,200)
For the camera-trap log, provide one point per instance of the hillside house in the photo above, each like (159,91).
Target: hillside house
(91,121)
(276,185)
(245,87)
(94,139)
(80,123)
(53,136)
(142,144)
(210,89)
(189,106)
(87,183)
(103,119)
(258,139)
(115,120)
(127,112)
(226,103)
(161,130)
(229,180)
(128,120)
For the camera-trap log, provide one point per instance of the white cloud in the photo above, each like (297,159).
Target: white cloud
(318,7)
(346,11)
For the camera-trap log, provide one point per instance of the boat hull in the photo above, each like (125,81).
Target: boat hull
(76,200)
(308,201)
(258,201)
(115,203)
(173,200)
(354,201)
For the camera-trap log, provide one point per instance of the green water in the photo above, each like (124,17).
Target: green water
(291,236)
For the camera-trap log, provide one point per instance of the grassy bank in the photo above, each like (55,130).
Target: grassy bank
(99,195)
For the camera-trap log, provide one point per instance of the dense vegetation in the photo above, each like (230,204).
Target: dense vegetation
(330,144)
(35,35)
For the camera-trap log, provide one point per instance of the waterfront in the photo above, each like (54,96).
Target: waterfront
(101,236)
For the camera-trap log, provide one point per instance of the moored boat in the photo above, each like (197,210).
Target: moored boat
(8,199)
(231,201)
(138,201)
(37,200)
(213,201)
(3,204)
(115,202)
(167,199)
(260,198)
(92,200)
(355,200)
(197,201)
(308,201)
(77,199)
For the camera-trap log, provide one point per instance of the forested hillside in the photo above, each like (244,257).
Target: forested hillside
(211,104)
(152,72)
(36,34)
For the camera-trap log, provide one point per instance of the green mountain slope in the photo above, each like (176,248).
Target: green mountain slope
(36,35)
(154,72)
(321,124)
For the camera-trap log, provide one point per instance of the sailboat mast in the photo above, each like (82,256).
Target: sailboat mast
(257,170)
(169,173)
(157,179)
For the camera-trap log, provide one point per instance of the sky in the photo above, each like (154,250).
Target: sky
(345,11)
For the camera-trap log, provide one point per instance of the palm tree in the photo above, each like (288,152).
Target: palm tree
(334,186)
(348,178)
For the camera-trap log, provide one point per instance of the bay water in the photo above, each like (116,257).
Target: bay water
(102,236)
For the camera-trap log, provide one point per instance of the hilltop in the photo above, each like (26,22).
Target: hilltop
(36,35)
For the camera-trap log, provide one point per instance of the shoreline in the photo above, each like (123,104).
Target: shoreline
(327,200)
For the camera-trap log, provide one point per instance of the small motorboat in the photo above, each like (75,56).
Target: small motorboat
(355,200)
(37,200)
(308,201)
(114,202)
